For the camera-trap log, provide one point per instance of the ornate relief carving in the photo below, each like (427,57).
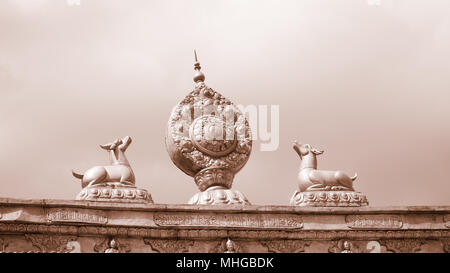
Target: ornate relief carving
(373,247)
(230,145)
(213,176)
(50,243)
(209,138)
(11,215)
(227,246)
(343,246)
(108,193)
(329,199)
(403,245)
(169,246)
(286,246)
(76,216)
(218,196)
(447,220)
(111,245)
(446,244)
(73,247)
(374,221)
(229,220)
(238,233)
(3,245)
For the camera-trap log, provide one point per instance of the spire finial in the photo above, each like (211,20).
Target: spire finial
(198,75)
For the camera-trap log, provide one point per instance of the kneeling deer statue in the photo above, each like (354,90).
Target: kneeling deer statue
(312,179)
(118,173)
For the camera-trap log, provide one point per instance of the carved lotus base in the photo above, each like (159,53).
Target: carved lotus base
(115,194)
(219,196)
(329,199)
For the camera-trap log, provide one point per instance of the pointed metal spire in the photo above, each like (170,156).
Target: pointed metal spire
(198,75)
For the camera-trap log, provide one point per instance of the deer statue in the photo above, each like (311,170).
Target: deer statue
(118,173)
(311,179)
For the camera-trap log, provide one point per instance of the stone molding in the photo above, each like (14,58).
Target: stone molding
(284,246)
(12,228)
(252,221)
(68,226)
(169,246)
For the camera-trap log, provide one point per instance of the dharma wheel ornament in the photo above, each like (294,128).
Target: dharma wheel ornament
(209,139)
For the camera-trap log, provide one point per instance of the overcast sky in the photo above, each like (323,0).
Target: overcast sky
(368,84)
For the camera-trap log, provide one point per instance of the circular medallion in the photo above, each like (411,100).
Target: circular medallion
(213,136)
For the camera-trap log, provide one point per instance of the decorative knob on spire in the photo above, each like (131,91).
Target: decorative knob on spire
(198,75)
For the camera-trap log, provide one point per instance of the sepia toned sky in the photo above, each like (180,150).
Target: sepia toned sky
(368,84)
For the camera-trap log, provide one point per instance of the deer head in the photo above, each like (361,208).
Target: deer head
(117,150)
(122,144)
(305,149)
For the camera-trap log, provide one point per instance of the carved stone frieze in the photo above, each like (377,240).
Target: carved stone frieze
(169,246)
(76,216)
(447,220)
(403,245)
(286,246)
(374,221)
(50,243)
(244,233)
(230,220)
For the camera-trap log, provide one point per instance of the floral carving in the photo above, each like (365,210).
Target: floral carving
(169,246)
(50,243)
(286,246)
(403,245)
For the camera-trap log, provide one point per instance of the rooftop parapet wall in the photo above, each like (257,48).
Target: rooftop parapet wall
(65,226)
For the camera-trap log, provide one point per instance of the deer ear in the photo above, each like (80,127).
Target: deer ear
(106,146)
(126,140)
(317,152)
(295,146)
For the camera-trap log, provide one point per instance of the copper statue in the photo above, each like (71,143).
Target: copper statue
(321,188)
(113,182)
(119,171)
(312,179)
